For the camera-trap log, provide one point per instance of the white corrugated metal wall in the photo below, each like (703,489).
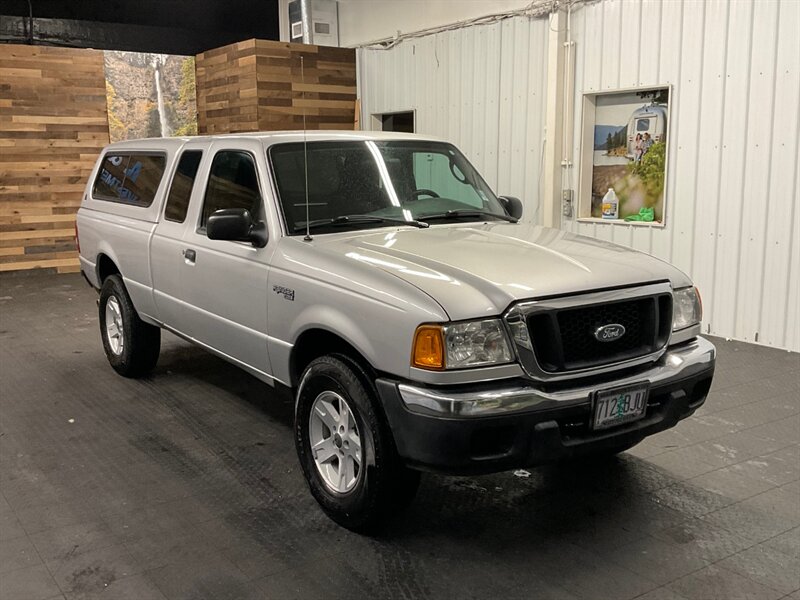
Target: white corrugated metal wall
(480,87)
(732,218)
(733,196)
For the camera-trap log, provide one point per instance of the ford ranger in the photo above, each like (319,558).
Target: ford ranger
(412,316)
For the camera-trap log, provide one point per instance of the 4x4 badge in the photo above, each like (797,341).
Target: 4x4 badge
(283,291)
(609,333)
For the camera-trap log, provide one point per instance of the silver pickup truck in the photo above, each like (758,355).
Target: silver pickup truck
(412,317)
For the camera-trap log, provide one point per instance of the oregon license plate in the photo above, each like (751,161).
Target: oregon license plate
(621,405)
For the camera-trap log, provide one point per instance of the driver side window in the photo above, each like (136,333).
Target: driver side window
(433,171)
(232,183)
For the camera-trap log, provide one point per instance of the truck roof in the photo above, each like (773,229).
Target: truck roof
(271,137)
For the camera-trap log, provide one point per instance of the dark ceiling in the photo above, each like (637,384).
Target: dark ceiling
(165,26)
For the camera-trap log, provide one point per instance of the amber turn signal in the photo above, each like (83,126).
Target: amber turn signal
(428,349)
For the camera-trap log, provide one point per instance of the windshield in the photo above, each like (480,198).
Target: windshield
(405,180)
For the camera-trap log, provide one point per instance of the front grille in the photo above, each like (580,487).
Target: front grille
(564,340)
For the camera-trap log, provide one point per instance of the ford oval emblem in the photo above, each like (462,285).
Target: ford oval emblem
(609,333)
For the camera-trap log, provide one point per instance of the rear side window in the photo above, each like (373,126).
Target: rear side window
(232,183)
(182,183)
(129,178)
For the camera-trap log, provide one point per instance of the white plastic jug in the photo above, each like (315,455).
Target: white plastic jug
(610,205)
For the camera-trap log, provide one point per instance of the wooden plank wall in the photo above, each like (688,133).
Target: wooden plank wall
(53,125)
(325,91)
(226,89)
(257,85)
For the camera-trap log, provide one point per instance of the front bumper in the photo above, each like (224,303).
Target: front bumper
(502,425)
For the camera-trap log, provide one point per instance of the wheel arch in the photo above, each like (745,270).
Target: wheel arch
(318,341)
(105,266)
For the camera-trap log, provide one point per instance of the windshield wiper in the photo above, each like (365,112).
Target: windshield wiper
(466,212)
(355,220)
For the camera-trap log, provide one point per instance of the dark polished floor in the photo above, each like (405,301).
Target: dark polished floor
(186,485)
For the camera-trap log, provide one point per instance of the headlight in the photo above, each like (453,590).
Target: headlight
(687,308)
(461,345)
(475,344)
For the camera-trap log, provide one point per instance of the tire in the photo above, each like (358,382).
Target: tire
(131,345)
(381,486)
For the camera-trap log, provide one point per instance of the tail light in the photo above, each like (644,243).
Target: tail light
(77,240)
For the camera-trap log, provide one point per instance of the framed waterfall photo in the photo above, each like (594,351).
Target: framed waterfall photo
(149,95)
(624,150)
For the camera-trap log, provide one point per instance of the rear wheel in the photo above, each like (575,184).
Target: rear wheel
(345,447)
(131,345)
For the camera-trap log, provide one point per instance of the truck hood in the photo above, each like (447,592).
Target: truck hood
(480,269)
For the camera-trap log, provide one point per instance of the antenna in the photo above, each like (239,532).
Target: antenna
(308,237)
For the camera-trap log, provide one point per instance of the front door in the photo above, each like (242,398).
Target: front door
(224,283)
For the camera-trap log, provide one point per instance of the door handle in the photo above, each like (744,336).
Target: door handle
(189,255)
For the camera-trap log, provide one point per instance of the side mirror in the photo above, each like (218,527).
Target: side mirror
(236,224)
(512,205)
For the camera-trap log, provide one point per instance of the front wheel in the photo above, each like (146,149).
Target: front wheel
(345,448)
(131,345)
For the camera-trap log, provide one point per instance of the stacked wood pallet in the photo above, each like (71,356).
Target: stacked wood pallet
(257,85)
(53,124)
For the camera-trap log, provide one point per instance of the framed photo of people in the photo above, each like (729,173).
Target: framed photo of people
(624,150)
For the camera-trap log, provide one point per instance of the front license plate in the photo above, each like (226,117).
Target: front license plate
(621,405)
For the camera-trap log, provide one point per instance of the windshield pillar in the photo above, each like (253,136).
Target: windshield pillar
(384,172)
